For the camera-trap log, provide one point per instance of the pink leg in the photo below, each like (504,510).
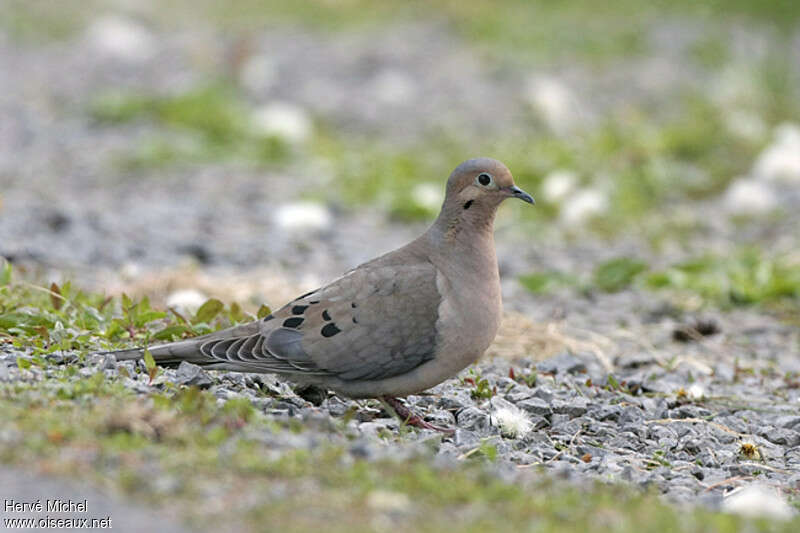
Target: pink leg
(408,417)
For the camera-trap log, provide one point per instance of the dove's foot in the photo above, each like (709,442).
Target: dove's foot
(409,417)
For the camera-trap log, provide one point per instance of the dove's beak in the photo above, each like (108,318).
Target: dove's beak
(516,192)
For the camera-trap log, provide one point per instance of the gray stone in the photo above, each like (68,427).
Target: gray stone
(544,394)
(631,415)
(724,372)
(375,429)
(574,407)
(192,375)
(472,418)
(464,438)
(563,363)
(518,394)
(689,411)
(440,418)
(336,407)
(788,422)
(606,412)
(692,446)
(497,403)
(536,406)
(559,420)
(109,362)
(538,422)
(784,437)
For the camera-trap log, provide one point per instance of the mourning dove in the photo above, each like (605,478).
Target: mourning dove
(396,325)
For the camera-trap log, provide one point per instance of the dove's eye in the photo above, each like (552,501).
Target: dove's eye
(484,179)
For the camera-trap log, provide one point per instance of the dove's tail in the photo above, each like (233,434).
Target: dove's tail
(166,354)
(173,353)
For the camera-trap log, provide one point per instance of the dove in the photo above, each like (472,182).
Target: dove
(394,326)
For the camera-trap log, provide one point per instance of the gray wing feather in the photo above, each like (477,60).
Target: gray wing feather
(375,322)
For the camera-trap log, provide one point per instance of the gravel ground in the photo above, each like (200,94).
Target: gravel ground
(692,435)
(634,398)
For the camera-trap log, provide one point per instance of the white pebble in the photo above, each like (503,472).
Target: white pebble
(300,216)
(186,300)
(553,100)
(513,422)
(428,195)
(758,501)
(558,184)
(283,120)
(121,38)
(747,196)
(696,392)
(780,161)
(130,270)
(582,206)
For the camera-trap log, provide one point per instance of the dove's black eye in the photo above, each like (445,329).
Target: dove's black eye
(484,179)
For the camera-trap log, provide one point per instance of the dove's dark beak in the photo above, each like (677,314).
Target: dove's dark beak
(516,192)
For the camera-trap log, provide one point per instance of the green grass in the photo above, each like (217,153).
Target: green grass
(746,277)
(56,318)
(205,124)
(543,28)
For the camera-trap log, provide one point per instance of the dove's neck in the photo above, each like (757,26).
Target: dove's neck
(461,246)
(467,236)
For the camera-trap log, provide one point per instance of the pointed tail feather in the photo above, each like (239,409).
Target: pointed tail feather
(166,354)
(173,353)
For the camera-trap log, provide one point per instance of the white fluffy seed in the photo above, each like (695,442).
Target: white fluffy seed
(558,184)
(121,38)
(186,300)
(428,196)
(747,196)
(758,501)
(582,206)
(283,120)
(780,161)
(513,422)
(299,216)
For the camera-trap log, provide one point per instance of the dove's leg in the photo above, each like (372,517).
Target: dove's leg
(409,417)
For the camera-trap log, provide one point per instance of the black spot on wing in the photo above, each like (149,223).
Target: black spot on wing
(299,309)
(326,315)
(330,330)
(293,322)
(353,305)
(307,295)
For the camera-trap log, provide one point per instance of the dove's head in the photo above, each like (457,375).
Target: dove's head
(481,184)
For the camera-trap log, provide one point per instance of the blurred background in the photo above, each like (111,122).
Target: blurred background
(250,149)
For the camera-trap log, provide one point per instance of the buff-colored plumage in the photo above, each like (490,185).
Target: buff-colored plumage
(394,326)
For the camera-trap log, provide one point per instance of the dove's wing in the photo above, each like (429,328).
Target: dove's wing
(375,322)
